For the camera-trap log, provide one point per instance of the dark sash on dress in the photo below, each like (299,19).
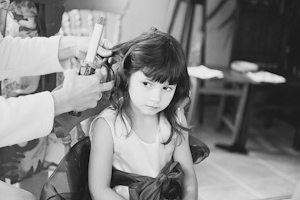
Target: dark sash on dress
(167,185)
(69,181)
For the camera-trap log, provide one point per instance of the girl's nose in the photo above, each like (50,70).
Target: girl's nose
(155,95)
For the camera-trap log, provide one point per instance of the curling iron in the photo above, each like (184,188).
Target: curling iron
(85,67)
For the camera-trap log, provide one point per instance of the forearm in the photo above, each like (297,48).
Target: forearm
(182,155)
(25,118)
(190,188)
(29,56)
(107,193)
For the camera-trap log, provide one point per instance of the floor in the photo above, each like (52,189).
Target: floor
(270,171)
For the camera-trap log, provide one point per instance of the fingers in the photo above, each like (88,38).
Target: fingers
(105,43)
(102,74)
(107,86)
(103,50)
(102,62)
(82,46)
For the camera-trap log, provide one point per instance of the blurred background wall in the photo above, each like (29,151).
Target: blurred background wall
(143,14)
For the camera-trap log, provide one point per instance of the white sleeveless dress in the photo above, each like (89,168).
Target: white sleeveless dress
(133,155)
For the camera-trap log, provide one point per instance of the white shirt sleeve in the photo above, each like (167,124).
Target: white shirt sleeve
(29,56)
(25,118)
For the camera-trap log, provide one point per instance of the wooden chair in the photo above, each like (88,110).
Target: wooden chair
(80,16)
(79,19)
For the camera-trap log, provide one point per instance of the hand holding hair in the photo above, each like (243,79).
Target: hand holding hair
(75,46)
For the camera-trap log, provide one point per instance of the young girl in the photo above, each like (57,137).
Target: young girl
(144,129)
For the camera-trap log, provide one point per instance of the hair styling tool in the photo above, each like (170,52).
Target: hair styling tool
(85,67)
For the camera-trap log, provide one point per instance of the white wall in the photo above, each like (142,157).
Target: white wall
(143,14)
(219,41)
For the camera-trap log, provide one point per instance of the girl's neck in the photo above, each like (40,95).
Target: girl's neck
(144,126)
(137,116)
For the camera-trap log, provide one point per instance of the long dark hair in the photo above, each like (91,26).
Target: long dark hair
(161,58)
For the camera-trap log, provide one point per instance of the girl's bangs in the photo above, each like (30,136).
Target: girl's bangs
(166,66)
(163,73)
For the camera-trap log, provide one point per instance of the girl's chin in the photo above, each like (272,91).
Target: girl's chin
(150,111)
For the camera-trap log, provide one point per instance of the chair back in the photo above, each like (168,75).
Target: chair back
(80,17)
(70,178)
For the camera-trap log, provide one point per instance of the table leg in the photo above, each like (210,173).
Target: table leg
(219,121)
(192,113)
(241,124)
(201,84)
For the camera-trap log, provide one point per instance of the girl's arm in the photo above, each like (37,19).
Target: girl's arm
(182,154)
(100,164)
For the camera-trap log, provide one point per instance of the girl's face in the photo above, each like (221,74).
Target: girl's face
(149,97)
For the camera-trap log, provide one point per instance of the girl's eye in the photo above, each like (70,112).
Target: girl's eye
(147,84)
(168,88)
